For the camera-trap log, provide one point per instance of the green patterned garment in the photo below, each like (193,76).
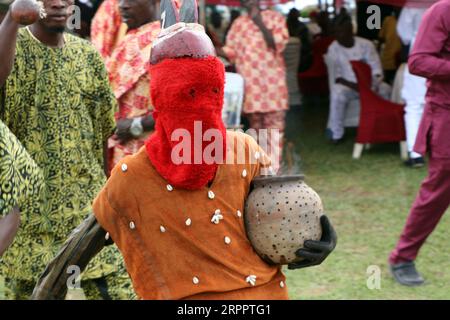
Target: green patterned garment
(20,178)
(58,103)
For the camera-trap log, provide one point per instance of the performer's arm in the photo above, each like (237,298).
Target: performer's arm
(83,244)
(8,37)
(426,59)
(9,225)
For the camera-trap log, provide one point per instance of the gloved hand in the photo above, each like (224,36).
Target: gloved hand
(315,252)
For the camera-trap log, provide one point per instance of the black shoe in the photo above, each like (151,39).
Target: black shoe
(337,141)
(406,274)
(329,135)
(415,162)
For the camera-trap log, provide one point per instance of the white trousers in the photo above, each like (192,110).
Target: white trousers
(340,98)
(413,115)
(413,92)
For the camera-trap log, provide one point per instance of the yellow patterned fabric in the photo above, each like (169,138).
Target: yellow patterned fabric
(20,177)
(58,103)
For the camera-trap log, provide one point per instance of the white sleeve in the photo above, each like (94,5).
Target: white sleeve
(332,55)
(373,59)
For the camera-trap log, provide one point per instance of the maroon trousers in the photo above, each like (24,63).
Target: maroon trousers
(434,195)
(431,203)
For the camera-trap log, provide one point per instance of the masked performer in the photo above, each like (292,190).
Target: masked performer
(179,224)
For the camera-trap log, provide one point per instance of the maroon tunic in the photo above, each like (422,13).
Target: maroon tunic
(430,58)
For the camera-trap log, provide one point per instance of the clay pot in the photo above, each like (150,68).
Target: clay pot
(25,12)
(280,214)
(182,40)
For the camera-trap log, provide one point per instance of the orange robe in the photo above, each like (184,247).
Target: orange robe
(171,247)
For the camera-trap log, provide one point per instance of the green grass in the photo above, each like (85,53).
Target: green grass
(368,201)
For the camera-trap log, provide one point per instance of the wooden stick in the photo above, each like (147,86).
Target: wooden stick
(83,244)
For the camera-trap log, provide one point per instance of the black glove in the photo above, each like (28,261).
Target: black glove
(315,252)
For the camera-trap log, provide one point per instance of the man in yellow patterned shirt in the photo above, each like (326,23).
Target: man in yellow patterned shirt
(56,99)
(20,185)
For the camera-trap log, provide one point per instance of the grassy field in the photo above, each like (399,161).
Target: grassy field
(368,201)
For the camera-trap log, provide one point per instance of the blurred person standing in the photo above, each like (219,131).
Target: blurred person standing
(234,14)
(313,26)
(429,58)
(127,68)
(107,28)
(391,46)
(298,29)
(292,56)
(414,87)
(217,26)
(255,44)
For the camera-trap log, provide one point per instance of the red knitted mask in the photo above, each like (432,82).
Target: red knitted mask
(187,95)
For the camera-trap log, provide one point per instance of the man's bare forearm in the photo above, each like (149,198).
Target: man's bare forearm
(8,37)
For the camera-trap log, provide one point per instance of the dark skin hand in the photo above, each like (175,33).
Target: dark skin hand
(344,82)
(123,128)
(221,53)
(352,85)
(315,252)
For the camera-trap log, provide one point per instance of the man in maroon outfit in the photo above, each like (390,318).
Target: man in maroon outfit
(430,58)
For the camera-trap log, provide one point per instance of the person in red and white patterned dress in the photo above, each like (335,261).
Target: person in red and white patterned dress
(127,67)
(107,28)
(255,44)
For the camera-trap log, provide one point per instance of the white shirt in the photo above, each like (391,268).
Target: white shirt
(362,50)
(414,87)
(408,24)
